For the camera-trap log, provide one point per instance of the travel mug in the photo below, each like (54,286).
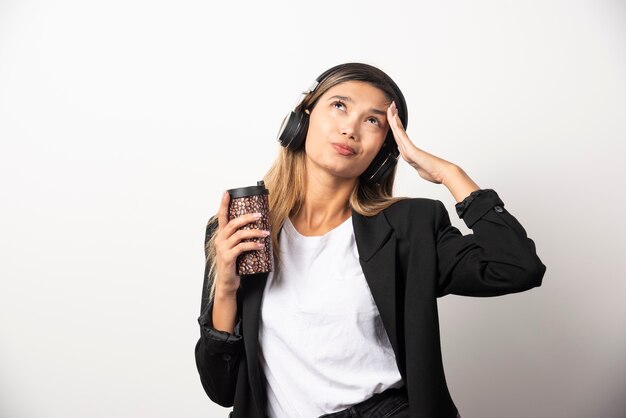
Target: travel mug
(246,200)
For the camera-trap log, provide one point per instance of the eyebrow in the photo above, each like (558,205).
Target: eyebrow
(348,99)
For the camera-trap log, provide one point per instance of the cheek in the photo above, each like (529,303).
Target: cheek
(316,134)
(376,147)
(312,141)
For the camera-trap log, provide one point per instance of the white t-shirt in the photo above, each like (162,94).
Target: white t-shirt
(323,345)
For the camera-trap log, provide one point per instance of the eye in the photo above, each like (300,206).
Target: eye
(373,120)
(338,104)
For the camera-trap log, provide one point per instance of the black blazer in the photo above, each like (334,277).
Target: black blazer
(410,255)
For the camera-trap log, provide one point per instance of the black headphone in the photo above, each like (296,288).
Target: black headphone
(293,130)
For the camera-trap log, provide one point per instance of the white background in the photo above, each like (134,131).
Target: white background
(121,123)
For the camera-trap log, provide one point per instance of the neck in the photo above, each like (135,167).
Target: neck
(326,203)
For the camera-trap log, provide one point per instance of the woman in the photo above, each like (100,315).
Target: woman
(346,325)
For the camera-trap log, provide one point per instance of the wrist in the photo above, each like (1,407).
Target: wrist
(459,183)
(225,291)
(450,174)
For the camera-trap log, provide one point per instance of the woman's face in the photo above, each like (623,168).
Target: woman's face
(347,128)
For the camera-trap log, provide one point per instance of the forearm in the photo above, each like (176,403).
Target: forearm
(224,310)
(458,183)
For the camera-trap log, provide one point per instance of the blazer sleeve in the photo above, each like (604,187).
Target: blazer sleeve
(496,259)
(217,352)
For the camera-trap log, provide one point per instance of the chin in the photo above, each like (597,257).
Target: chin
(342,168)
(343,174)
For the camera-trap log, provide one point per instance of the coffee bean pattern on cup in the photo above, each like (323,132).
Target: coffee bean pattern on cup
(258,261)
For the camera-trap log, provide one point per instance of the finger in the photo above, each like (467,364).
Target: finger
(394,112)
(230,249)
(400,135)
(407,149)
(395,124)
(391,111)
(245,234)
(235,224)
(402,138)
(222,214)
(242,247)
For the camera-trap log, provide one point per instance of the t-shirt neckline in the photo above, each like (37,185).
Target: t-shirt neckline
(291,230)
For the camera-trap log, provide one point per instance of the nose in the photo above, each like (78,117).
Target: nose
(349,128)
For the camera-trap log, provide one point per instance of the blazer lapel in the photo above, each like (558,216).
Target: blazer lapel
(250,317)
(376,243)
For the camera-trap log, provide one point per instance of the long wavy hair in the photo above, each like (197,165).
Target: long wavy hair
(286,178)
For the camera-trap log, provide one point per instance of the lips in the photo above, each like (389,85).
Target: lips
(343,149)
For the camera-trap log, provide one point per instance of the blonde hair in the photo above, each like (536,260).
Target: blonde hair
(286,178)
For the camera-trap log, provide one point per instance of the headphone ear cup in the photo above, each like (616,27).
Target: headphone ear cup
(293,131)
(382,164)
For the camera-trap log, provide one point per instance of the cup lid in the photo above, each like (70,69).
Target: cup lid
(259,189)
